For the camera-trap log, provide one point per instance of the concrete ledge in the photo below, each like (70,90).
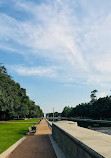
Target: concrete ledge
(77,142)
(49,123)
(10,149)
(56,148)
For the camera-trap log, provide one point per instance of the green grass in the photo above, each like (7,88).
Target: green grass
(29,120)
(10,133)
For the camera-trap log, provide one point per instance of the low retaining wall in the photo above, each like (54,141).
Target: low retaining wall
(49,123)
(82,144)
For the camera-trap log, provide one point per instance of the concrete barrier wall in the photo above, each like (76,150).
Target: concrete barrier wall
(85,122)
(49,123)
(72,147)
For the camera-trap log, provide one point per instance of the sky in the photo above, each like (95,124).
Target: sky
(59,50)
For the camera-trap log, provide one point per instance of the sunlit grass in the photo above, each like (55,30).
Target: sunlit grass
(11,133)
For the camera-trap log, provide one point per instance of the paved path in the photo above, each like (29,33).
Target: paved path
(36,146)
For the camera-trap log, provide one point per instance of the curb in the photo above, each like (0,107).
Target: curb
(10,149)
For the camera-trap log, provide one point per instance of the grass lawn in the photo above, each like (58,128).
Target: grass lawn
(29,120)
(10,133)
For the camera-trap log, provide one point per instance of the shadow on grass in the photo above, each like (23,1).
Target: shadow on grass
(23,132)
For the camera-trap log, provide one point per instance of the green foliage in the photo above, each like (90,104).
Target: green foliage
(10,134)
(93,96)
(56,114)
(95,109)
(66,112)
(14,103)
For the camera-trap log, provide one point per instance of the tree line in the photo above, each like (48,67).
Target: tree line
(95,109)
(14,103)
(56,114)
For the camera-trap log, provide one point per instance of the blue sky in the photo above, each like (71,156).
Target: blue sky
(59,50)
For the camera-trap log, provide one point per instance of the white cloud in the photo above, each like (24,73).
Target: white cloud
(49,31)
(39,71)
(101,95)
(78,41)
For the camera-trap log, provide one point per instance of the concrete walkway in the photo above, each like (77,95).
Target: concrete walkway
(36,146)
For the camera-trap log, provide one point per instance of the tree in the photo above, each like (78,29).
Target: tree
(93,96)
(14,103)
(66,111)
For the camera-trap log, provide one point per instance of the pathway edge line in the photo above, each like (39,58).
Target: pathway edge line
(10,149)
